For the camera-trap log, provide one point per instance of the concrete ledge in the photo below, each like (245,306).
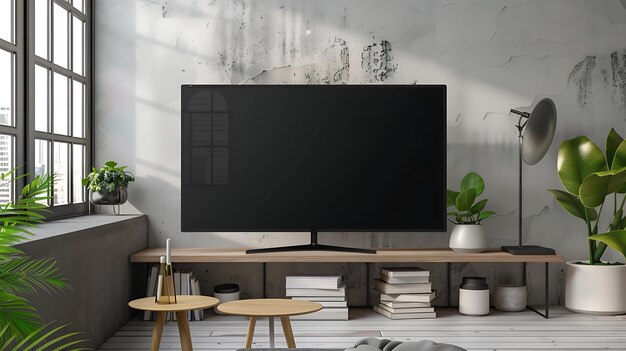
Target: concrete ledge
(93,252)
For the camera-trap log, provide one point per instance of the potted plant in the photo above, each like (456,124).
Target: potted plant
(468,234)
(589,176)
(108,185)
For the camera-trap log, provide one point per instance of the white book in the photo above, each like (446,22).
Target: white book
(150,288)
(341,291)
(406,310)
(408,297)
(184,287)
(405,315)
(405,304)
(343,303)
(416,288)
(195,291)
(405,272)
(319,298)
(176,290)
(199,293)
(338,314)
(313,282)
(404,280)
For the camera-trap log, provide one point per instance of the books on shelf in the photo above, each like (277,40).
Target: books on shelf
(405,293)
(327,290)
(185,282)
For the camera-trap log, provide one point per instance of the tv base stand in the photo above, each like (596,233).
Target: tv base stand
(312,246)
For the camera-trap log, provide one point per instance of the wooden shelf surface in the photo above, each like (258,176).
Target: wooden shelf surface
(199,255)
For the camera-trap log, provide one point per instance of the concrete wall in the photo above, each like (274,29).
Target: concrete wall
(493,55)
(95,260)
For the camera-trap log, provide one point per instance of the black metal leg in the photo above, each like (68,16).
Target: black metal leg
(546,313)
(449,283)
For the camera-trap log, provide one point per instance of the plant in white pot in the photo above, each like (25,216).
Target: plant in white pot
(468,234)
(108,185)
(589,176)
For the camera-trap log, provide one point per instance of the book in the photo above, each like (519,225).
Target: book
(404,280)
(184,287)
(405,272)
(150,288)
(402,288)
(427,297)
(313,282)
(319,298)
(405,304)
(195,291)
(341,291)
(325,314)
(418,315)
(406,310)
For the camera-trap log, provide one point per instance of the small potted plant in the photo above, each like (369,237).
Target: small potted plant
(589,176)
(468,234)
(108,185)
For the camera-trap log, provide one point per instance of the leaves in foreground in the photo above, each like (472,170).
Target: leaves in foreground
(43,338)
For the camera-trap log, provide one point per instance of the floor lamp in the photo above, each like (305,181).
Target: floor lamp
(535,131)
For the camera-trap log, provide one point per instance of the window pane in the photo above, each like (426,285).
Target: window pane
(41,159)
(7,16)
(59,93)
(6,164)
(77,51)
(78,109)
(41,28)
(60,40)
(78,172)
(41,99)
(7,87)
(61,171)
(78,4)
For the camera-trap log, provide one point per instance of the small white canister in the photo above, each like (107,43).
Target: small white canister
(474,296)
(225,293)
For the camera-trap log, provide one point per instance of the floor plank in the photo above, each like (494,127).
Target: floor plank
(497,331)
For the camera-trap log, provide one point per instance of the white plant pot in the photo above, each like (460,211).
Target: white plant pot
(468,238)
(595,289)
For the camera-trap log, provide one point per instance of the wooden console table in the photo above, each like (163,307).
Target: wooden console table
(434,255)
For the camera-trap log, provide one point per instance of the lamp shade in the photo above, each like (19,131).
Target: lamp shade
(539,131)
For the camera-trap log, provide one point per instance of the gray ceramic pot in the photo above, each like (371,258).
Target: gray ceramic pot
(105,197)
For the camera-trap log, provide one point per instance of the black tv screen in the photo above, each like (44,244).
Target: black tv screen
(313,158)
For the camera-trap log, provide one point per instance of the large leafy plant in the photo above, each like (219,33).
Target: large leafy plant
(589,176)
(109,177)
(21,328)
(466,209)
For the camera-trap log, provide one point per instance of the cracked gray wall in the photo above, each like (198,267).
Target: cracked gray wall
(492,55)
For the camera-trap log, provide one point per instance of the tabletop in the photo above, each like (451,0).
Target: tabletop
(183,303)
(269,307)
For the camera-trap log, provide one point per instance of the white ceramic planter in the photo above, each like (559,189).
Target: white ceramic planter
(468,238)
(595,289)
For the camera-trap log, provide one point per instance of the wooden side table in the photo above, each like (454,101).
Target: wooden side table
(184,304)
(270,308)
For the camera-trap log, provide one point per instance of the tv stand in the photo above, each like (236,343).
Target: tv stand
(312,246)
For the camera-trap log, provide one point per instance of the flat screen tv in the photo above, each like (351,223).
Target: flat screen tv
(313,158)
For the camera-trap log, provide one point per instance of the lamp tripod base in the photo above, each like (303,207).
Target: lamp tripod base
(528,250)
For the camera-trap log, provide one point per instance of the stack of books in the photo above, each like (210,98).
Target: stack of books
(328,290)
(405,293)
(185,283)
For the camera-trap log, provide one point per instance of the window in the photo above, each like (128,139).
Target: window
(45,71)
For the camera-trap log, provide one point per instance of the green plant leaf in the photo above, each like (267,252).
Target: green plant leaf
(451,195)
(485,214)
(613,140)
(465,200)
(619,161)
(473,181)
(596,186)
(479,206)
(110,164)
(616,239)
(572,204)
(578,158)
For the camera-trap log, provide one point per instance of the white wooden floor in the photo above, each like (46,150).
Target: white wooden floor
(497,331)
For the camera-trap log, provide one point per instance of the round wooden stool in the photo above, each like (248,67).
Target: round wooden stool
(183,304)
(270,308)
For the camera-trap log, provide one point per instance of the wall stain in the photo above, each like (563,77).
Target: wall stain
(580,77)
(377,62)
(601,72)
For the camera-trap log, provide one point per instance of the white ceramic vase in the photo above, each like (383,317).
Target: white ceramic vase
(468,238)
(595,289)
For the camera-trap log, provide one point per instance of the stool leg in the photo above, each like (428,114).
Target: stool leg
(183,330)
(291,343)
(158,331)
(272,339)
(250,335)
